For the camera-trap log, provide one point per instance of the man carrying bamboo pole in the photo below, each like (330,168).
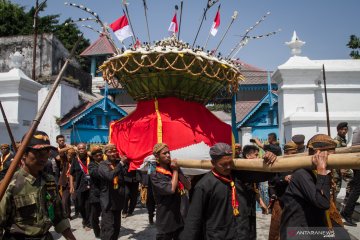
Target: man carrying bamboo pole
(307,201)
(31,204)
(219,207)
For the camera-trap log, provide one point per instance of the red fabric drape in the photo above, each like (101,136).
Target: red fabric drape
(184,123)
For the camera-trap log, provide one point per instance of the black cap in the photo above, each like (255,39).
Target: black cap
(298,138)
(219,150)
(39,140)
(341,125)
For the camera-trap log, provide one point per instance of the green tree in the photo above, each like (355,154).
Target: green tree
(354,43)
(15,21)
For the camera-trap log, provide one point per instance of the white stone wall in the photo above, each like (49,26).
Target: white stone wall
(18,94)
(64,99)
(302,98)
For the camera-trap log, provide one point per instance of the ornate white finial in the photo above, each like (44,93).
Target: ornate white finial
(295,44)
(16,60)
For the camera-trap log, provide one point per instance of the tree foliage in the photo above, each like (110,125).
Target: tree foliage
(14,20)
(354,43)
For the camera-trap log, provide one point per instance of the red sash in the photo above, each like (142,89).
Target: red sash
(83,167)
(234,201)
(181,188)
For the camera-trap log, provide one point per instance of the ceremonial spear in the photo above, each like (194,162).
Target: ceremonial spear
(245,37)
(95,19)
(15,162)
(233,17)
(8,128)
(209,4)
(146,19)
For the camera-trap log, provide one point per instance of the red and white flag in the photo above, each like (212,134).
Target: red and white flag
(216,24)
(121,28)
(173,25)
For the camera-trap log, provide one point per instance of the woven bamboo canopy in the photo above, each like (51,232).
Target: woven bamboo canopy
(171,68)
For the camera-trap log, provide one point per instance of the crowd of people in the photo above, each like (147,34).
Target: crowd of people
(220,204)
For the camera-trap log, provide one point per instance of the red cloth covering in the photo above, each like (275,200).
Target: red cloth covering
(184,123)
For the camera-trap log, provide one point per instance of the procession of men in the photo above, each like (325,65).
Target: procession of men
(220,204)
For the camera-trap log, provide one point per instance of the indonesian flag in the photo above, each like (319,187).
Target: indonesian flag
(216,24)
(173,25)
(121,28)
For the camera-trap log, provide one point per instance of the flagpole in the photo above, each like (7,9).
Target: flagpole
(146,19)
(211,29)
(181,8)
(128,17)
(234,16)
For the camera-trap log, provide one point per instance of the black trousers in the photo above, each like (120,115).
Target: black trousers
(150,201)
(65,200)
(94,219)
(131,194)
(169,236)
(110,225)
(84,207)
(353,195)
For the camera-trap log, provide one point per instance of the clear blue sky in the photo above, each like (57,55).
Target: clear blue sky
(324,25)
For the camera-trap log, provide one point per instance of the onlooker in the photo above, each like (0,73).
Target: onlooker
(342,174)
(112,194)
(272,146)
(299,140)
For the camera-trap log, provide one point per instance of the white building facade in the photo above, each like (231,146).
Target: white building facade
(302,97)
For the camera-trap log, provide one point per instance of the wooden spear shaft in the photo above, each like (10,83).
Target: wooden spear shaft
(335,161)
(15,162)
(8,128)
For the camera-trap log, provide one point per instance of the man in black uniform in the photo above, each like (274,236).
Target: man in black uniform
(221,206)
(6,157)
(79,172)
(307,200)
(112,194)
(95,185)
(169,186)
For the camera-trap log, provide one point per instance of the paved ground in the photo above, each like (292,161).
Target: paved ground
(137,227)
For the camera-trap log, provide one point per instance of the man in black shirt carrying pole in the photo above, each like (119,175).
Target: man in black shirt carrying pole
(169,186)
(307,200)
(220,206)
(112,194)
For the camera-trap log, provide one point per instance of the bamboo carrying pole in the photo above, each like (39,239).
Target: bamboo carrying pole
(285,163)
(15,162)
